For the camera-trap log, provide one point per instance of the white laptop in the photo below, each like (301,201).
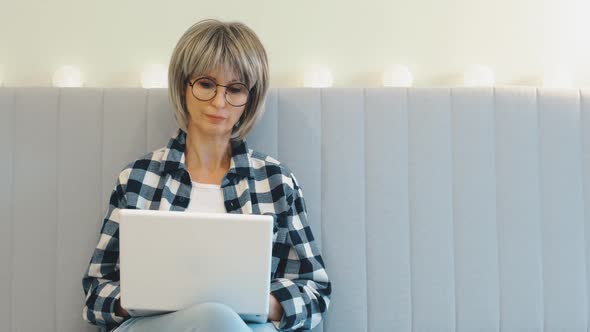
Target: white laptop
(170,260)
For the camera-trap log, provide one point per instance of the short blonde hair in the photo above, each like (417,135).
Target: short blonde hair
(211,44)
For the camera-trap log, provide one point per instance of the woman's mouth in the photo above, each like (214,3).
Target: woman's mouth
(214,118)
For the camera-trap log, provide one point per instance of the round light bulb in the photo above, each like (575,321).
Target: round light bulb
(558,77)
(318,77)
(155,76)
(478,75)
(398,76)
(67,77)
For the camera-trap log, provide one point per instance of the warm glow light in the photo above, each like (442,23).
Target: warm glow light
(557,77)
(397,76)
(155,76)
(318,77)
(67,77)
(478,75)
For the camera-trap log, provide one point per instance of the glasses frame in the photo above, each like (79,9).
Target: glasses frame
(215,94)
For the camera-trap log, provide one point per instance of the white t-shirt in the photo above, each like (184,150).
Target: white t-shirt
(206,197)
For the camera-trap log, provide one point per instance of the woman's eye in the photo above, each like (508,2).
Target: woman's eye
(237,89)
(206,85)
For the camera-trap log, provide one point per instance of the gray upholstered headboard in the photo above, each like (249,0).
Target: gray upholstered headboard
(437,209)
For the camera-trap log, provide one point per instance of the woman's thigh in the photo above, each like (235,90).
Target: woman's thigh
(202,317)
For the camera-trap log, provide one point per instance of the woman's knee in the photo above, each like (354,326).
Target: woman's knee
(213,316)
(210,309)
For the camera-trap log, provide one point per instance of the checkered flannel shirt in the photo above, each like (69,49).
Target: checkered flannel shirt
(254,184)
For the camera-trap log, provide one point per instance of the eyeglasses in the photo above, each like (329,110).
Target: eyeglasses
(205,89)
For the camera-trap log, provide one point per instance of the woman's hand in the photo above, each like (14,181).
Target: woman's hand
(275,311)
(119,311)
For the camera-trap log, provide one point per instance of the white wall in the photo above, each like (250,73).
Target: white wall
(111,41)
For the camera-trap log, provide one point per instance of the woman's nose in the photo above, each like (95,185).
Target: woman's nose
(219,99)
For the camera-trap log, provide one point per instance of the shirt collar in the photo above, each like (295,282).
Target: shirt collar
(174,156)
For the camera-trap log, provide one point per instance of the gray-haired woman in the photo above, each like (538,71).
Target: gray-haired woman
(218,80)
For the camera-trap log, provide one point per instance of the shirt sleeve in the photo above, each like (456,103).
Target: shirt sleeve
(101,279)
(302,287)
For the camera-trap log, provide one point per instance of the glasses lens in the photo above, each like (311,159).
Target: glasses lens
(204,89)
(237,94)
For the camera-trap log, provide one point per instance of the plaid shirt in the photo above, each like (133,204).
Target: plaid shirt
(254,184)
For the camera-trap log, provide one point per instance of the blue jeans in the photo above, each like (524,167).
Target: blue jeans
(204,317)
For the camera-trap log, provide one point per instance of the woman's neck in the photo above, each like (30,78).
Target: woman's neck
(205,153)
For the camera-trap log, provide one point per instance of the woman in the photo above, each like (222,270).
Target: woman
(218,79)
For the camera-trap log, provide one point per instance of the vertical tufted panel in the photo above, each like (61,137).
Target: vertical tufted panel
(79,139)
(389,297)
(35,210)
(300,146)
(518,210)
(343,207)
(124,134)
(474,210)
(431,210)
(298,120)
(7,132)
(161,123)
(264,136)
(562,210)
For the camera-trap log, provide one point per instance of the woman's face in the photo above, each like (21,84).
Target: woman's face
(215,117)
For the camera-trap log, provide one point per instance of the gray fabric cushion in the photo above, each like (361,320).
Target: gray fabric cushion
(436,209)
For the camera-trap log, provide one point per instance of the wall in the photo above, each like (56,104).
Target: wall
(112,41)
